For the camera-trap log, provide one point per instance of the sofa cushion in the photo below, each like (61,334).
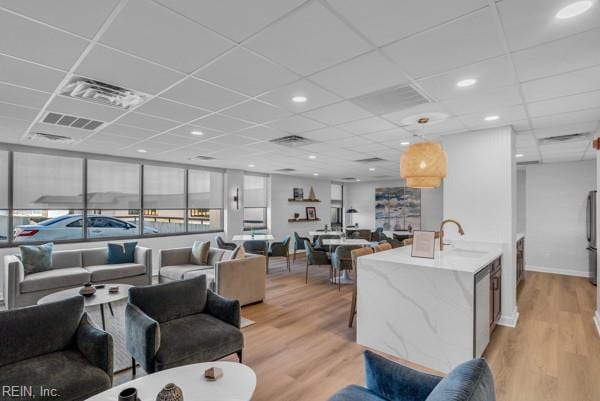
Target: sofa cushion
(36,258)
(120,253)
(94,257)
(55,278)
(355,393)
(471,380)
(62,259)
(215,255)
(209,273)
(200,251)
(196,338)
(176,272)
(229,254)
(111,272)
(67,371)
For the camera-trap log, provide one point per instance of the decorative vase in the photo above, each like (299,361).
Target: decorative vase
(87,290)
(311,194)
(296,216)
(170,392)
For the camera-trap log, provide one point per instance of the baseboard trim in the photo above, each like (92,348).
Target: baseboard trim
(554,270)
(597,321)
(509,320)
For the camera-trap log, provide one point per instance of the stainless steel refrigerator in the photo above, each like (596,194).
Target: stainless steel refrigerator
(591,235)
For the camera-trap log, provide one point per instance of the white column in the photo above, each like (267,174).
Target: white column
(597,314)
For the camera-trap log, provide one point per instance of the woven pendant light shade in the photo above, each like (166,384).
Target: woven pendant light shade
(424,165)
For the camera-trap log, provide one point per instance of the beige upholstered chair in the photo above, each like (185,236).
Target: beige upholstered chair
(383,247)
(356,253)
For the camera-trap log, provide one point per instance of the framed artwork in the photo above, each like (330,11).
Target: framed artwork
(423,245)
(398,208)
(311,213)
(298,194)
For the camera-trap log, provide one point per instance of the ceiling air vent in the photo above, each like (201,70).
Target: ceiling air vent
(390,99)
(528,163)
(292,141)
(41,136)
(71,121)
(369,160)
(202,158)
(101,92)
(580,136)
(349,179)
(383,176)
(286,170)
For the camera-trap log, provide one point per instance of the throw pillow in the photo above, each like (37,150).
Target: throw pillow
(36,258)
(239,253)
(200,253)
(121,253)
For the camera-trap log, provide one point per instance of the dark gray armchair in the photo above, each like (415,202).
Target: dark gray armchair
(341,259)
(281,250)
(299,243)
(258,247)
(221,244)
(316,257)
(179,323)
(54,345)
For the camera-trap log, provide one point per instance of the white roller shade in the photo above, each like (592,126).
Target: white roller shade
(205,190)
(255,191)
(112,185)
(3,179)
(47,182)
(164,188)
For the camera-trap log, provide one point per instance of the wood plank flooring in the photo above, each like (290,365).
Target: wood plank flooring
(302,349)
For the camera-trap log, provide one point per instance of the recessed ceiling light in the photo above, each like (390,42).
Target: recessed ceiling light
(466,82)
(299,99)
(491,118)
(142,150)
(316,174)
(251,165)
(358,179)
(574,9)
(312,157)
(371,168)
(198,133)
(519,155)
(404,143)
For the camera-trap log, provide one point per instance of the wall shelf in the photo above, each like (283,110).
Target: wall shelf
(302,220)
(304,200)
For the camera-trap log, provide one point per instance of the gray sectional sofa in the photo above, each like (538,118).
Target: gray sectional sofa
(71,269)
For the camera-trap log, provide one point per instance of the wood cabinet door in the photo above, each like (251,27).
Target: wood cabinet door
(497,294)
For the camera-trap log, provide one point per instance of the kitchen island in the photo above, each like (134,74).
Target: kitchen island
(433,312)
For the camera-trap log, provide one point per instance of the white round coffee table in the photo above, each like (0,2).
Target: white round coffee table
(100,297)
(237,384)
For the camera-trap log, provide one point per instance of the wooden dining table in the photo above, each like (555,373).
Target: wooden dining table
(331,242)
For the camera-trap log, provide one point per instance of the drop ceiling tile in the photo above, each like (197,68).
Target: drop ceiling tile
(256,111)
(84,108)
(296,124)
(223,123)
(35,42)
(246,72)
(392,137)
(562,158)
(367,126)
(262,133)
(128,131)
(338,113)
(12,129)
(18,112)
(156,33)
(203,94)
(564,147)
(507,115)
(529,23)
(151,147)
(484,101)
(21,96)
(565,104)
(308,40)
(147,122)
(186,130)
(449,126)
(232,18)
(75,133)
(90,14)
(364,74)
(462,42)
(29,75)
(316,96)
(520,126)
(353,142)
(592,115)
(386,20)
(328,134)
(177,140)
(108,140)
(562,85)
(576,52)
(421,109)
(526,140)
(132,72)
(164,108)
(550,131)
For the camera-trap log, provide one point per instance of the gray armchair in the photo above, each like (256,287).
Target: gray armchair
(180,322)
(341,259)
(258,247)
(221,244)
(54,345)
(316,257)
(299,243)
(281,250)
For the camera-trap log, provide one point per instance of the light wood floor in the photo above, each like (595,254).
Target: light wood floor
(302,349)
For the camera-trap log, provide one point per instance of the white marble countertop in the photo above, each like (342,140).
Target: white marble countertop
(461,256)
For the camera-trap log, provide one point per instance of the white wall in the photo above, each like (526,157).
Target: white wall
(480,192)
(521,203)
(361,196)
(556,196)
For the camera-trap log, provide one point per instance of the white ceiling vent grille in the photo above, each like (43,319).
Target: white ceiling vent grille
(292,141)
(71,121)
(202,158)
(286,170)
(580,136)
(42,136)
(101,92)
(349,179)
(389,100)
(369,160)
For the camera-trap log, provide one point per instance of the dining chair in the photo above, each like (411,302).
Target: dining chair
(394,242)
(281,250)
(257,247)
(221,244)
(383,247)
(319,242)
(355,254)
(341,259)
(299,243)
(316,257)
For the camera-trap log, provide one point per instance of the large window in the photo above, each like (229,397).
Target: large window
(205,201)
(164,200)
(113,199)
(255,202)
(337,206)
(3,196)
(47,197)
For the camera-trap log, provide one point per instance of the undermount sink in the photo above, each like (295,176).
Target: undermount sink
(464,253)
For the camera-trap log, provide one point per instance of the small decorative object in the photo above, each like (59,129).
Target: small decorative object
(298,194)
(423,245)
(87,290)
(213,374)
(113,289)
(356,225)
(100,286)
(410,228)
(311,213)
(252,232)
(311,194)
(296,216)
(128,394)
(326,228)
(170,392)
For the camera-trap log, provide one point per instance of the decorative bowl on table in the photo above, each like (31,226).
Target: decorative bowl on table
(87,290)
(170,392)
(113,289)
